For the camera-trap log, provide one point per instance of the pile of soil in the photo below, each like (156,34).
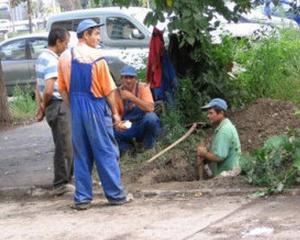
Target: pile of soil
(262,119)
(255,123)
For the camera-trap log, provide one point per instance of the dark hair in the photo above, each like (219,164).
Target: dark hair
(89,30)
(219,110)
(57,33)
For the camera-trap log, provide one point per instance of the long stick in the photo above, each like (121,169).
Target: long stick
(188,133)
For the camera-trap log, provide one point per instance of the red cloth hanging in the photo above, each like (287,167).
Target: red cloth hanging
(154,65)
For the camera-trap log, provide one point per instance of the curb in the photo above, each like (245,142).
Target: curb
(43,192)
(193,193)
(17,193)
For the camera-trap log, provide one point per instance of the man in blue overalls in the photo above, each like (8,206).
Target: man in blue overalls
(137,107)
(86,85)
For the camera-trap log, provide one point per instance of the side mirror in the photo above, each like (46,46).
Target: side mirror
(137,34)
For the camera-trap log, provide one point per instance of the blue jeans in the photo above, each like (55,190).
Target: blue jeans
(143,131)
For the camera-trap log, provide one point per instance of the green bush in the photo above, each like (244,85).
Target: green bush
(272,67)
(23,106)
(276,164)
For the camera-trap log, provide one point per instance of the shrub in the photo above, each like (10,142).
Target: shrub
(276,164)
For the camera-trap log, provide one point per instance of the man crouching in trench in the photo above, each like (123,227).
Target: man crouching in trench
(224,154)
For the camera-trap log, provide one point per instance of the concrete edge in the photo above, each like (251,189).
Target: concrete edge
(16,193)
(23,193)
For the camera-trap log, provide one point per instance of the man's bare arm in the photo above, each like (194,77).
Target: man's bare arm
(39,116)
(204,153)
(38,96)
(143,105)
(111,98)
(48,92)
(118,124)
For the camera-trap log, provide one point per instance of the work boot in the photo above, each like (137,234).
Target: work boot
(63,189)
(81,206)
(127,199)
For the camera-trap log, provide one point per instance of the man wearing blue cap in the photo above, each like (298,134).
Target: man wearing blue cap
(137,108)
(86,84)
(224,152)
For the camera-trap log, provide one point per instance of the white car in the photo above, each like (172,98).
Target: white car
(257,16)
(242,29)
(253,25)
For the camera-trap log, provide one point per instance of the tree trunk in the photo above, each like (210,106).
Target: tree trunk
(5,118)
(29,12)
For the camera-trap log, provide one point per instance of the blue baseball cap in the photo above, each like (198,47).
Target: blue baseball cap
(128,71)
(86,24)
(216,102)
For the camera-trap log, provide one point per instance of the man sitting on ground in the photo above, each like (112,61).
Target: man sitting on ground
(225,150)
(137,106)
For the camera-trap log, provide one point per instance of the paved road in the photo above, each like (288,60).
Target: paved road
(26,156)
(215,218)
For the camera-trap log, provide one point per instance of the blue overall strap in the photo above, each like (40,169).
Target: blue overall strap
(80,76)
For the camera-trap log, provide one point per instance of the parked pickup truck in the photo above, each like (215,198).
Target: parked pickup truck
(124,34)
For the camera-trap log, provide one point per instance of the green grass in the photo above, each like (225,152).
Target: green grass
(22,107)
(272,67)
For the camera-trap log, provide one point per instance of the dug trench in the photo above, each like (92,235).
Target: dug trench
(255,123)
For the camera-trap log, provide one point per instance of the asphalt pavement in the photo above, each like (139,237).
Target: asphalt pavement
(26,158)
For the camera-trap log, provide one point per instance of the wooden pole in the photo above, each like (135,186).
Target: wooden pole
(188,133)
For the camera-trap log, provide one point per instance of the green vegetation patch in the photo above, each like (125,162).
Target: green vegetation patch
(276,165)
(22,106)
(272,67)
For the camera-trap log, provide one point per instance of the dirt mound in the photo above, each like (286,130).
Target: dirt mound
(176,168)
(262,119)
(255,123)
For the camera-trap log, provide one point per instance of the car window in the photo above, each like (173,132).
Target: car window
(36,46)
(15,50)
(70,25)
(64,24)
(122,29)
(77,21)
